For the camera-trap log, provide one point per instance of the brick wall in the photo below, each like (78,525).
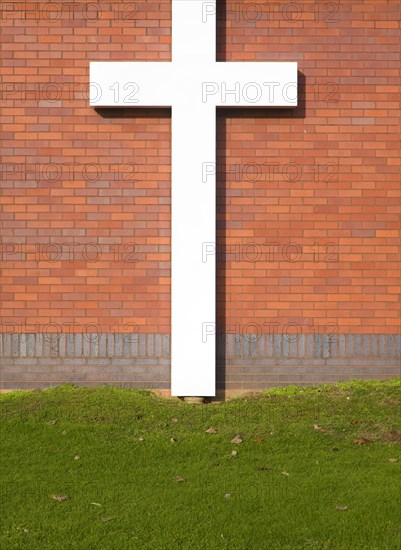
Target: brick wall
(308,199)
(95,184)
(328,178)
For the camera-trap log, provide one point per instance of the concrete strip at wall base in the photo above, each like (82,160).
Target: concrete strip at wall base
(244,362)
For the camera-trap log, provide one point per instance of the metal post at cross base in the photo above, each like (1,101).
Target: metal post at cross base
(193,84)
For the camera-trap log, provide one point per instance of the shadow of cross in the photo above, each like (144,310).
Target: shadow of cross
(193,84)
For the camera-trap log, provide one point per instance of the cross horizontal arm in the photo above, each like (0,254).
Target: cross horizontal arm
(243,84)
(235,84)
(131,84)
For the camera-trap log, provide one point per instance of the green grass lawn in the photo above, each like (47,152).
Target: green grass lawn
(141,472)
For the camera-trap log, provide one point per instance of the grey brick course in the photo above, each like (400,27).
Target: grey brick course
(245,361)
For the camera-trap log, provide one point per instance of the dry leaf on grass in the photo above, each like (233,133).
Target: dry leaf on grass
(342,508)
(317,427)
(392,459)
(236,439)
(362,441)
(211,431)
(179,479)
(59,498)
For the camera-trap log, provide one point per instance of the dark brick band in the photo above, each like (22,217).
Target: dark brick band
(244,362)
(41,360)
(248,362)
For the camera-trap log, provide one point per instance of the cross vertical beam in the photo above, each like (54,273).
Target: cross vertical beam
(193,295)
(194,31)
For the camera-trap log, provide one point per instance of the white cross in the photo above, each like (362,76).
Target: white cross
(193,84)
